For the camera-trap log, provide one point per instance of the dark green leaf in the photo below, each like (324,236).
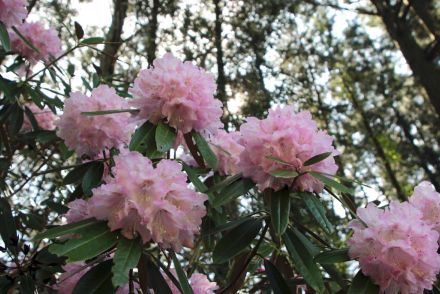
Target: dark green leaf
(165,137)
(232,191)
(206,152)
(316,208)
(126,257)
(226,182)
(143,138)
(93,41)
(331,183)
(183,280)
(229,225)
(79,32)
(276,159)
(151,277)
(95,80)
(362,285)
(31,118)
(86,84)
(4,38)
(7,223)
(317,158)
(236,240)
(280,210)
(285,174)
(26,41)
(110,111)
(92,177)
(92,242)
(303,261)
(277,282)
(27,285)
(15,119)
(333,256)
(5,284)
(194,178)
(67,229)
(77,173)
(71,69)
(96,281)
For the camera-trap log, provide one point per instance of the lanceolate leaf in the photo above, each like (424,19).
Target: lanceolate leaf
(279,210)
(93,41)
(156,280)
(77,173)
(285,174)
(96,281)
(277,282)
(107,112)
(126,257)
(232,191)
(206,152)
(7,224)
(362,285)
(317,158)
(303,261)
(194,178)
(68,229)
(143,138)
(236,240)
(183,279)
(26,41)
(165,137)
(92,177)
(316,208)
(331,183)
(4,38)
(333,256)
(95,240)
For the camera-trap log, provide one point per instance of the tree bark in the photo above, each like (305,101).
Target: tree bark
(424,69)
(221,79)
(113,39)
(152,32)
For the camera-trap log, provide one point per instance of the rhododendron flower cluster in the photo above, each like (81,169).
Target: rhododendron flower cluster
(90,135)
(292,137)
(199,284)
(45,118)
(78,210)
(227,148)
(154,202)
(45,40)
(395,248)
(179,92)
(427,200)
(12,12)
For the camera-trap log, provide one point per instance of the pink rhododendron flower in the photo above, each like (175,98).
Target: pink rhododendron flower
(78,210)
(427,200)
(12,12)
(45,118)
(227,148)
(291,137)
(180,92)
(45,40)
(154,202)
(199,284)
(395,248)
(90,135)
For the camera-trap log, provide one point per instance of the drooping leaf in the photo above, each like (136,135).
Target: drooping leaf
(93,41)
(277,282)
(362,285)
(303,261)
(96,281)
(232,191)
(331,183)
(92,242)
(7,223)
(236,240)
(27,285)
(317,210)
(79,32)
(25,40)
(280,210)
(92,177)
(151,277)
(285,174)
(194,178)
(226,182)
(165,137)
(317,158)
(31,118)
(143,138)
(4,38)
(76,174)
(126,257)
(333,256)
(15,119)
(229,225)
(206,152)
(183,279)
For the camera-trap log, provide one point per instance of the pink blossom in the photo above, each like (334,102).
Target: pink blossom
(45,40)
(78,210)
(427,200)
(395,248)
(45,118)
(90,135)
(72,274)
(153,202)
(12,12)
(180,92)
(291,137)
(198,282)
(227,148)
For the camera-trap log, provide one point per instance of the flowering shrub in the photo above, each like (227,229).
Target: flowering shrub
(127,212)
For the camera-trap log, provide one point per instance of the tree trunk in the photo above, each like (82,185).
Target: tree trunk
(221,80)
(424,69)
(152,32)
(113,39)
